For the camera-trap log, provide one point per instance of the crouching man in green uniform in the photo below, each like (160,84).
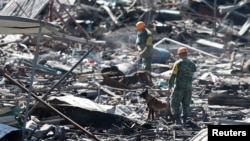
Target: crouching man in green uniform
(182,76)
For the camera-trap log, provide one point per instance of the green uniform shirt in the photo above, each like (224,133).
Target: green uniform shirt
(182,73)
(145,42)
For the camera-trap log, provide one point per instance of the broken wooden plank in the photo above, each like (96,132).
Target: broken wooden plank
(210,43)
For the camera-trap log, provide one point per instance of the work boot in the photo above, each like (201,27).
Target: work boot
(177,120)
(184,118)
(177,124)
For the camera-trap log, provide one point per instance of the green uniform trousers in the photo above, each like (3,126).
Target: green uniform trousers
(146,63)
(181,96)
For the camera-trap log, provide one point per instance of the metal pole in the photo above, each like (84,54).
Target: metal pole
(63,77)
(32,79)
(51,10)
(215,5)
(99,94)
(62,20)
(49,106)
(179,43)
(1,5)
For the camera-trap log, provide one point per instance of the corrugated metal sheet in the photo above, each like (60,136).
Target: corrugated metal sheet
(6,129)
(24,8)
(20,25)
(201,136)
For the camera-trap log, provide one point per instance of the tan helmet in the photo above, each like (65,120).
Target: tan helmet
(182,50)
(140,25)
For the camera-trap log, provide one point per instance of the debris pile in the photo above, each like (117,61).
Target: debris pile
(69,69)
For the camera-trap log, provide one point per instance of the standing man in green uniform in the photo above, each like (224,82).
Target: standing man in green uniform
(182,76)
(144,44)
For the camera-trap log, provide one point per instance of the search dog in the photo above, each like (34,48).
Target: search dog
(156,105)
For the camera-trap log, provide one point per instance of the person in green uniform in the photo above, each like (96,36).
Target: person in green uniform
(181,81)
(144,44)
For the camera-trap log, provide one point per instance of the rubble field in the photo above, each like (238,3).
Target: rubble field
(70,69)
